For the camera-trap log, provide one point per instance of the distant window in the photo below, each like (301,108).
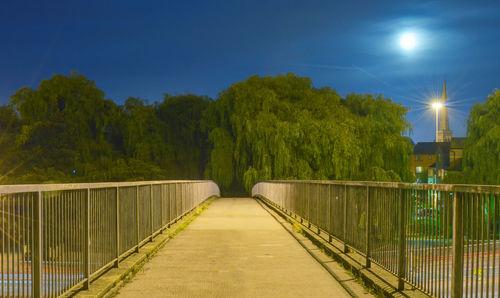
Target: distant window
(429,157)
(419,170)
(418,158)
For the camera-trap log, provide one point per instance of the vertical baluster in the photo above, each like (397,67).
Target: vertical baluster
(346,249)
(433,243)
(49,230)
(17,242)
(151,211)
(117,231)
(367,227)
(457,246)
(402,241)
(4,254)
(467,230)
(10,257)
(137,240)
(86,239)
(36,263)
(481,270)
(495,216)
(488,223)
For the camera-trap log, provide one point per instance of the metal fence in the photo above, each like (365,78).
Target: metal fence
(442,239)
(57,237)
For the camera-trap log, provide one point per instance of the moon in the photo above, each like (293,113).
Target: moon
(408,41)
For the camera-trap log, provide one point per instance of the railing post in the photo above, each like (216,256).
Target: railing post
(318,204)
(346,249)
(161,208)
(86,244)
(367,235)
(302,201)
(151,211)
(457,246)
(401,239)
(117,261)
(37,261)
(137,218)
(309,196)
(329,213)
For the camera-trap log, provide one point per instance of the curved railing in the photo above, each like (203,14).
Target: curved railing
(443,239)
(57,237)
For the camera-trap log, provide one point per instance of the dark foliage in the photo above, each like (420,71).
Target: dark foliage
(263,128)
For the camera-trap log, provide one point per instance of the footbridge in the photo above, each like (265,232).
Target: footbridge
(400,239)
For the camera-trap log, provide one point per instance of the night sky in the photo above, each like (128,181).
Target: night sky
(134,48)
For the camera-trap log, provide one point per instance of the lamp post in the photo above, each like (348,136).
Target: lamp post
(437,105)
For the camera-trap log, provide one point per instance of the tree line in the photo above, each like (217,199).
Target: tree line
(262,128)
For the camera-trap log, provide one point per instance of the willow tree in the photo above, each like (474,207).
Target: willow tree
(482,147)
(380,125)
(284,128)
(186,140)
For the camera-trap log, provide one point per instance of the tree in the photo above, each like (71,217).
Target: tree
(63,123)
(182,116)
(482,146)
(381,124)
(9,127)
(283,128)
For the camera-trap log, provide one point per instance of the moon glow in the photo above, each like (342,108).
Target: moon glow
(408,41)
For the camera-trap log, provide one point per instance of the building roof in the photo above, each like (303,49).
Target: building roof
(430,148)
(457,143)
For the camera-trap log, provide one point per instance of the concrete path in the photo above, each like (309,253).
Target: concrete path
(234,249)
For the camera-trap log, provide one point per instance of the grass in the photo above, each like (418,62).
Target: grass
(199,210)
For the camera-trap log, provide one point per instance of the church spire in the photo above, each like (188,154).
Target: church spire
(444,133)
(444,91)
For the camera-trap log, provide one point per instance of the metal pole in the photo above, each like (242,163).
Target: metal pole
(330,228)
(457,246)
(137,218)
(402,239)
(86,246)
(367,260)
(37,261)
(161,208)
(117,227)
(437,112)
(346,249)
(151,210)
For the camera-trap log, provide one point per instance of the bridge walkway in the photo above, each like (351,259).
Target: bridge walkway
(234,249)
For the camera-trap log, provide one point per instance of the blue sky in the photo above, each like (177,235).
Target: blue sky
(147,48)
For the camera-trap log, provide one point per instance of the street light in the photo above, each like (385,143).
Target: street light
(437,105)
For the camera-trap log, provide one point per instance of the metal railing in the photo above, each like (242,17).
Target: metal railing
(57,237)
(442,239)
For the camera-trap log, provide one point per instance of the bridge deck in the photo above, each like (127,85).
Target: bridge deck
(235,248)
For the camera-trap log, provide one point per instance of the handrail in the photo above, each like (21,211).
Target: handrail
(16,188)
(420,233)
(476,188)
(59,237)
